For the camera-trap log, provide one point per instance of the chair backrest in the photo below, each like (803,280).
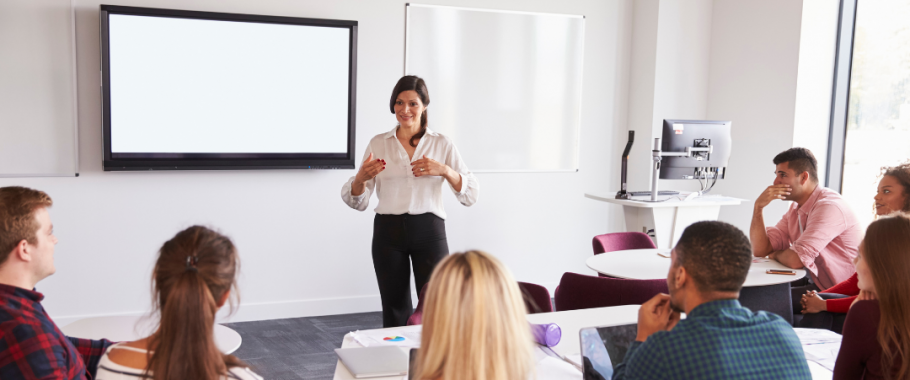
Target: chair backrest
(578,291)
(417,317)
(619,241)
(536,297)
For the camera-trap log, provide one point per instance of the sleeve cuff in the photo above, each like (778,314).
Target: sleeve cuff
(464,185)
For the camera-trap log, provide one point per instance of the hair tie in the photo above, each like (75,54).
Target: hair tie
(191,263)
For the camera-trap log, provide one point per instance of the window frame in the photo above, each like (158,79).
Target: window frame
(840,95)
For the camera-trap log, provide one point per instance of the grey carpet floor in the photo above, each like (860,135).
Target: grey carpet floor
(298,348)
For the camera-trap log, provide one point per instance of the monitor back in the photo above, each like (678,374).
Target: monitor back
(679,134)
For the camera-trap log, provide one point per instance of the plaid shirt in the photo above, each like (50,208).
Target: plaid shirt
(32,347)
(719,340)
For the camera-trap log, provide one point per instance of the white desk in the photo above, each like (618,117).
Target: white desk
(761,291)
(669,218)
(571,322)
(129,328)
(646,264)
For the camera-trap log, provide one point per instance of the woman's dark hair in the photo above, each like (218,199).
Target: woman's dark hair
(902,174)
(193,272)
(416,84)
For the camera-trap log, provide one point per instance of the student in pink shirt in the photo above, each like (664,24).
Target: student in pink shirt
(819,232)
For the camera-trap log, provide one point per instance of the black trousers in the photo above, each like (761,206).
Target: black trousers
(400,241)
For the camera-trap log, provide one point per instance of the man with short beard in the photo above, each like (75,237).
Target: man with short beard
(719,339)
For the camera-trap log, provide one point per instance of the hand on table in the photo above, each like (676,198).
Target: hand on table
(812,303)
(656,315)
(771,193)
(428,166)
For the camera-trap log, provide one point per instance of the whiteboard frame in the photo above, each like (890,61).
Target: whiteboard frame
(407,35)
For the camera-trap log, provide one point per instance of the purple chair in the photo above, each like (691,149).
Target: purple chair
(578,291)
(536,297)
(619,241)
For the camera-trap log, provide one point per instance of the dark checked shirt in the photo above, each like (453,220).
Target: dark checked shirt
(719,340)
(32,347)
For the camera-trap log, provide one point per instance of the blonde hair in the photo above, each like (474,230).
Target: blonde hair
(474,322)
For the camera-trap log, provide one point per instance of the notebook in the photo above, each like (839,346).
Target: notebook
(366,362)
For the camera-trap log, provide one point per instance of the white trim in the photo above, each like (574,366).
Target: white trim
(74,58)
(271,310)
(496,10)
(35,175)
(407,35)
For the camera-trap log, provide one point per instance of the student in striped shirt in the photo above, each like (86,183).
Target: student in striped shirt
(194,277)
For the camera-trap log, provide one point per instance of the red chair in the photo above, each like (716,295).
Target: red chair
(620,241)
(578,291)
(536,297)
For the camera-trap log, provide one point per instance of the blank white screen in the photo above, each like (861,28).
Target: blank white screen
(199,86)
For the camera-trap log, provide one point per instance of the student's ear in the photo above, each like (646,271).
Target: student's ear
(803,178)
(224,298)
(22,251)
(682,277)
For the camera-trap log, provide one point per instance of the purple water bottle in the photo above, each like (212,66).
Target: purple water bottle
(547,334)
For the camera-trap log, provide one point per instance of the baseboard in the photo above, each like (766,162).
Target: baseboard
(270,310)
(284,309)
(302,308)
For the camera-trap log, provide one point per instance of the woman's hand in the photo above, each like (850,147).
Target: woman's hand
(369,170)
(813,303)
(429,166)
(863,296)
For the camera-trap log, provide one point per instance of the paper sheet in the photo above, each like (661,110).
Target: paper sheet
(821,346)
(401,337)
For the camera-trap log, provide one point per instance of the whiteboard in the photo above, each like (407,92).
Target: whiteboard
(505,86)
(37,89)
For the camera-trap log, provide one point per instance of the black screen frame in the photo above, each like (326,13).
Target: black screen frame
(223,161)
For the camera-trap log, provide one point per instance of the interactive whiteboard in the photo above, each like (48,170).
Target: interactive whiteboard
(505,86)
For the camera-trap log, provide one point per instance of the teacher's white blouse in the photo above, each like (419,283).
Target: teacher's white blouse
(398,190)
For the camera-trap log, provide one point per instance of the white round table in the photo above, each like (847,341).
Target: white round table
(761,291)
(647,264)
(128,328)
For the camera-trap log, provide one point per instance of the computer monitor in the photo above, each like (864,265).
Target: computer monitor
(681,134)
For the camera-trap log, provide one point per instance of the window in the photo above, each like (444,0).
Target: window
(876,110)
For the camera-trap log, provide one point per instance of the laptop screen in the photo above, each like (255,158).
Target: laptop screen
(603,348)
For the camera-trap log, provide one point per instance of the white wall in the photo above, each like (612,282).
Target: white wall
(752,81)
(815,79)
(303,251)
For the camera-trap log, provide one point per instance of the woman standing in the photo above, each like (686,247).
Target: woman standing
(407,167)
